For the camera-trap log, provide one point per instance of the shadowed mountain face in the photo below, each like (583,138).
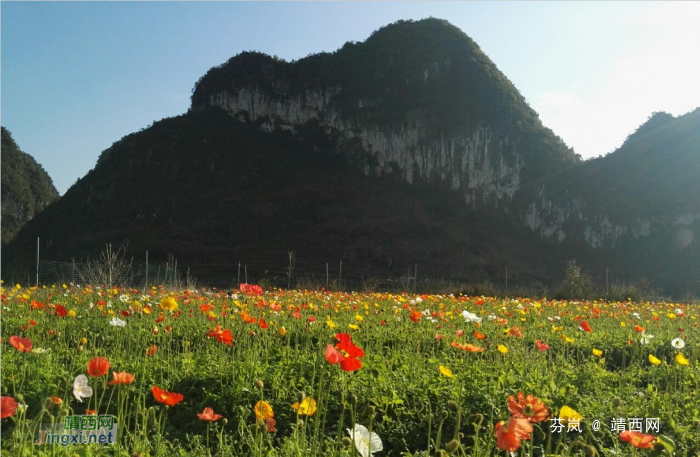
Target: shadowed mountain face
(409,148)
(26,187)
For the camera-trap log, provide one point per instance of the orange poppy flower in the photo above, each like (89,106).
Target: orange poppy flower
(586,327)
(56,400)
(415,316)
(467,347)
(208,415)
(510,434)
(21,344)
(99,366)
(639,328)
(91,412)
(121,378)
(637,439)
(168,398)
(529,408)
(152,350)
(263,411)
(479,336)
(247,318)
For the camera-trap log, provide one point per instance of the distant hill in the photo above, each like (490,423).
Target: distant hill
(26,187)
(410,148)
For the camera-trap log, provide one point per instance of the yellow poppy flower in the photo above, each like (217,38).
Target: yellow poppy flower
(568,414)
(169,304)
(597,352)
(681,360)
(307,407)
(282,331)
(653,360)
(502,349)
(446,371)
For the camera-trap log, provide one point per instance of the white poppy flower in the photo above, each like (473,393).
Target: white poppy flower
(419,300)
(470,317)
(646,339)
(81,389)
(365,443)
(116,322)
(678,343)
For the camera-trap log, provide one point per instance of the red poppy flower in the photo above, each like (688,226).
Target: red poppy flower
(251,289)
(529,408)
(161,318)
(586,327)
(262,323)
(21,344)
(479,336)
(99,366)
(637,439)
(61,311)
(345,353)
(8,407)
(222,336)
(37,304)
(168,398)
(32,322)
(152,350)
(270,424)
(121,378)
(541,346)
(125,313)
(510,434)
(208,415)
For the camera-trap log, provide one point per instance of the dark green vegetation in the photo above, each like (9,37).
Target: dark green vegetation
(26,187)
(212,190)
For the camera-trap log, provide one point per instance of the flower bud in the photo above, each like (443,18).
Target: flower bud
(259,384)
(452,447)
(347,442)
(616,402)
(590,451)
(444,414)
(224,421)
(301,395)
(452,406)
(352,399)
(80,349)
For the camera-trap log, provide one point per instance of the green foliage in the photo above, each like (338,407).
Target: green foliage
(576,284)
(26,187)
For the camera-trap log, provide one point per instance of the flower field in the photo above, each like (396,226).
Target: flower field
(317,373)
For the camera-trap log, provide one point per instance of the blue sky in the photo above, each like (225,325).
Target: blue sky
(78,76)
